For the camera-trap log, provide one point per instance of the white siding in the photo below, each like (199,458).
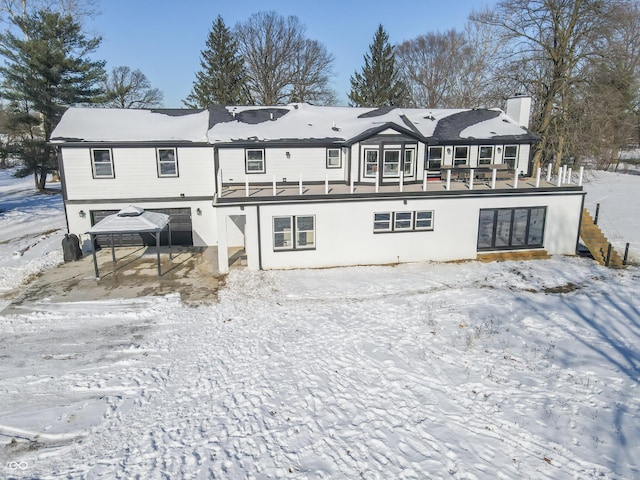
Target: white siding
(344,231)
(310,162)
(204,225)
(136,174)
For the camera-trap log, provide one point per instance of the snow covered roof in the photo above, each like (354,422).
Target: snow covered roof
(131,125)
(131,220)
(294,124)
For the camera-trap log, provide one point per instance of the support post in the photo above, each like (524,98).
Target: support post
(538,177)
(246,186)
(300,185)
(449,179)
(170,246)
(595,219)
(113,250)
(377,182)
(471,175)
(559,182)
(95,260)
(626,254)
(219,182)
(424,180)
(158,252)
(515,178)
(608,256)
(326,184)
(494,176)
(401,180)
(351,185)
(549,169)
(274,185)
(569,172)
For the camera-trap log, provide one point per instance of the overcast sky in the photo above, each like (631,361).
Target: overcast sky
(164,38)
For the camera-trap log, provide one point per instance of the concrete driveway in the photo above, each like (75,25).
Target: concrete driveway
(192,273)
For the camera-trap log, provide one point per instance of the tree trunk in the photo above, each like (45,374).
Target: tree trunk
(559,152)
(43,178)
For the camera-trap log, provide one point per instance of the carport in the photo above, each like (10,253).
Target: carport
(131,220)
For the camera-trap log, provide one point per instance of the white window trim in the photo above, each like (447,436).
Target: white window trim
(441,159)
(246,161)
(389,222)
(515,158)
(293,221)
(364,159)
(415,219)
(93,163)
(412,222)
(339,158)
(454,159)
(491,159)
(409,222)
(413,162)
(384,158)
(159,162)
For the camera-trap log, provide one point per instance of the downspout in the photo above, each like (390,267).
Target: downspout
(259,238)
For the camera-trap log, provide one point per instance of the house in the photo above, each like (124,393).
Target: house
(300,186)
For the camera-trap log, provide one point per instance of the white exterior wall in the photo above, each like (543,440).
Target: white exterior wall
(344,230)
(136,174)
(310,162)
(204,226)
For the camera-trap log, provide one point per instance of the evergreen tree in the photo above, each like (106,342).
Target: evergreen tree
(379,83)
(221,79)
(46,70)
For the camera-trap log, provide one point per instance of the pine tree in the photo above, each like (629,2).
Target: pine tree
(46,70)
(379,84)
(221,79)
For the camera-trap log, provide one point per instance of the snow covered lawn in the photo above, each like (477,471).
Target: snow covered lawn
(469,371)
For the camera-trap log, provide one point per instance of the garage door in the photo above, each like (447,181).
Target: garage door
(181,229)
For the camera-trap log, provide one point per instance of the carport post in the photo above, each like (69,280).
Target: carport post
(158,251)
(113,250)
(170,252)
(93,250)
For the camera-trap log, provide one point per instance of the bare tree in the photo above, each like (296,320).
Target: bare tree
(79,9)
(282,64)
(126,88)
(450,69)
(553,39)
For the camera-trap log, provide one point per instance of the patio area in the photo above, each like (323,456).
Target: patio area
(192,273)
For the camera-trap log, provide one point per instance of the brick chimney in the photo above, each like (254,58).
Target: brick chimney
(519,109)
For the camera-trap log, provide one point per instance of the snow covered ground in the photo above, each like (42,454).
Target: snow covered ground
(468,371)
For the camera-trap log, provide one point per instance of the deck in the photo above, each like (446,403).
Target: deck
(241,193)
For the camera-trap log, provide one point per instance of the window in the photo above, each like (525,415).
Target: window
(434,158)
(167,162)
(391,167)
(460,156)
(294,233)
(334,159)
(102,163)
(254,161)
(485,155)
(424,220)
(511,156)
(402,221)
(370,163)
(511,228)
(409,155)
(382,222)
